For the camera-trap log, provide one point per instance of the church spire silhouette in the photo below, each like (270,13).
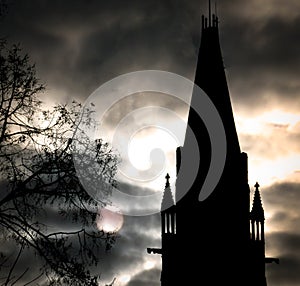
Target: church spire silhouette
(219,238)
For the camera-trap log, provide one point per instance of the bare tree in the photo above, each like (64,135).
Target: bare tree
(36,149)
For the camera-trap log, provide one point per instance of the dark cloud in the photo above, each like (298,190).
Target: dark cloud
(129,253)
(287,272)
(287,242)
(79,45)
(282,200)
(283,196)
(260,48)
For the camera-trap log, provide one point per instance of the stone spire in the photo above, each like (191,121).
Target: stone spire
(257,212)
(167,200)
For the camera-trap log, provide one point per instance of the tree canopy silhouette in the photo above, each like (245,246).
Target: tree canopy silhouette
(38,176)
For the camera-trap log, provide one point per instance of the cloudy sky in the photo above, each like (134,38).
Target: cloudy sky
(79,45)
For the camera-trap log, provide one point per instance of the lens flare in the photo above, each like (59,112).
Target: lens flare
(109,221)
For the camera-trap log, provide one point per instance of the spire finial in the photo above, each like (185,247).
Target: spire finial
(209,13)
(167,178)
(256,185)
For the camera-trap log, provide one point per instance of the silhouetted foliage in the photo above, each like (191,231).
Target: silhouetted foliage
(36,147)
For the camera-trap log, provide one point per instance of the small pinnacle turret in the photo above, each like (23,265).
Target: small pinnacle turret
(167,200)
(257,212)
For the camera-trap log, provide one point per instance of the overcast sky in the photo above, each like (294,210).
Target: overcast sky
(79,45)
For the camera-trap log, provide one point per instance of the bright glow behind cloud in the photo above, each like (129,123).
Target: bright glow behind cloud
(271,157)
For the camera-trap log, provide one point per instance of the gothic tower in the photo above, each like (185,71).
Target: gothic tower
(218,239)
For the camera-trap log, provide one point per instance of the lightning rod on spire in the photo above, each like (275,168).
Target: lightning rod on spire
(209,13)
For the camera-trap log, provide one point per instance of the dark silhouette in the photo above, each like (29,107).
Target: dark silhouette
(218,241)
(38,178)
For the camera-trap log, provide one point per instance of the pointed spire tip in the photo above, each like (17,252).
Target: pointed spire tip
(167,180)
